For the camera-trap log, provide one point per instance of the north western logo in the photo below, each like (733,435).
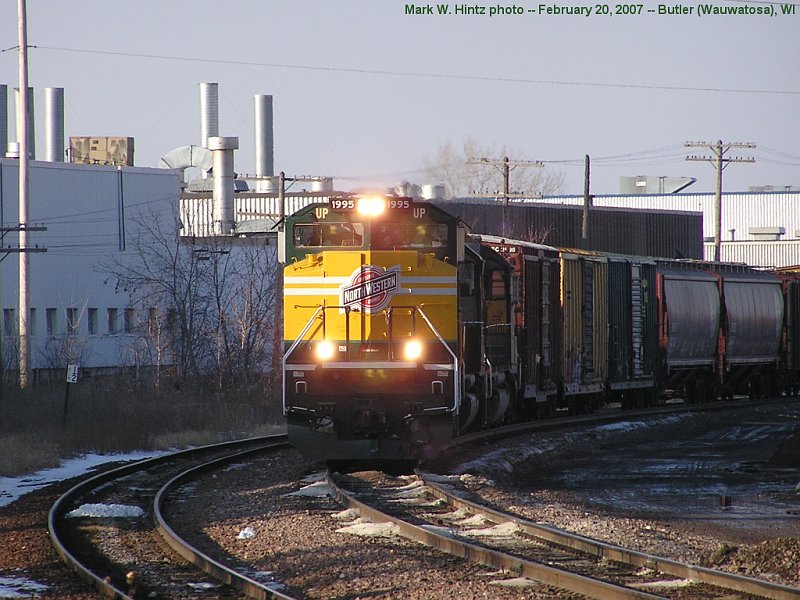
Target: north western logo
(370,288)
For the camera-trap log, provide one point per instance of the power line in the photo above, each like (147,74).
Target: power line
(505,166)
(418,74)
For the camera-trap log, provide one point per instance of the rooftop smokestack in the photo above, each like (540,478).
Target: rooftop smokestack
(54,124)
(264,139)
(31,121)
(222,160)
(3,119)
(209,112)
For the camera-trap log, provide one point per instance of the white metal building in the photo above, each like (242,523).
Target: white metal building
(91,213)
(758,228)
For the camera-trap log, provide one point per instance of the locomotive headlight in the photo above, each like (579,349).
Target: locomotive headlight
(325,350)
(371,207)
(412,350)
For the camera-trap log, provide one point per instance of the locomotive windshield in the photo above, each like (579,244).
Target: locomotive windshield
(383,235)
(391,236)
(316,235)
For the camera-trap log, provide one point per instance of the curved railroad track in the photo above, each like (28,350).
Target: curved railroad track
(585,566)
(141,566)
(433,514)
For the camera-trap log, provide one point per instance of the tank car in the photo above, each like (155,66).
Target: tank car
(397,331)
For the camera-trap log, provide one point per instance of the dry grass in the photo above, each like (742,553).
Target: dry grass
(25,453)
(35,435)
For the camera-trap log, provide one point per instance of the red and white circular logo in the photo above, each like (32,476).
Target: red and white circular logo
(370,288)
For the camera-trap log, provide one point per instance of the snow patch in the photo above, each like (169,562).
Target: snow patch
(346,515)
(456,515)
(15,587)
(314,477)
(105,511)
(516,582)
(475,521)
(204,587)
(504,530)
(436,478)
(12,488)
(365,529)
(247,533)
(673,583)
(318,489)
(439,530)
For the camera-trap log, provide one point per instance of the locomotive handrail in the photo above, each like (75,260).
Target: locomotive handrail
(292,348)
(457,373)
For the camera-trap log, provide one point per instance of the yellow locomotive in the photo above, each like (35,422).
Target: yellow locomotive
(397,331)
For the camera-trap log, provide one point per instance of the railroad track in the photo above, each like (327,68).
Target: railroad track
(428,512)
(128,557)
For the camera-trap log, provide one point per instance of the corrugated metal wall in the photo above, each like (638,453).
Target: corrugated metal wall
(780,253)
(740,210)
(197,215)
(645,233)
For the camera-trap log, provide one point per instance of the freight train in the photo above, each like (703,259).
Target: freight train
(402,330)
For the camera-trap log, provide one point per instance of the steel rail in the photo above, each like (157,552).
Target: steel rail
(731,581)
(612,415)
(63,503)
(250,587)
(565,580)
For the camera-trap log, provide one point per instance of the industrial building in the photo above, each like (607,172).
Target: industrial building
(759,228)
(88,215)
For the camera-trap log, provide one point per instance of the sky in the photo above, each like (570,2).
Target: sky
(367,94)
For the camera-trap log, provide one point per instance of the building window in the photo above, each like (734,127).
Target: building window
(51,316)
(152,322)
(172,321)
(112,320)
(73,319)
(91,321)
(9,321)
(32,322)
(129,319)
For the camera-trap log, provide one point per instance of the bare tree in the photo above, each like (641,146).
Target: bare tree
(242,284)
(450,166)
(158,270)
(209,303)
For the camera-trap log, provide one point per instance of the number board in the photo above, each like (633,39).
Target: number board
(392,204)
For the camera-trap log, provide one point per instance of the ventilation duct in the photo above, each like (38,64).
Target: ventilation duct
(264,139)
(31,121)
(54,124)
(222,160)
(3,119)
(185,157)
(209,112)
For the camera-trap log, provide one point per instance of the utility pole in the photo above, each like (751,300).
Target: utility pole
(587,202)
(720,161)
(22,137)
(505,166)
(277,329)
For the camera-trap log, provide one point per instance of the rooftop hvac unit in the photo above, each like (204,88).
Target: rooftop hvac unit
(119,151)
(79,149)
(109,150)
